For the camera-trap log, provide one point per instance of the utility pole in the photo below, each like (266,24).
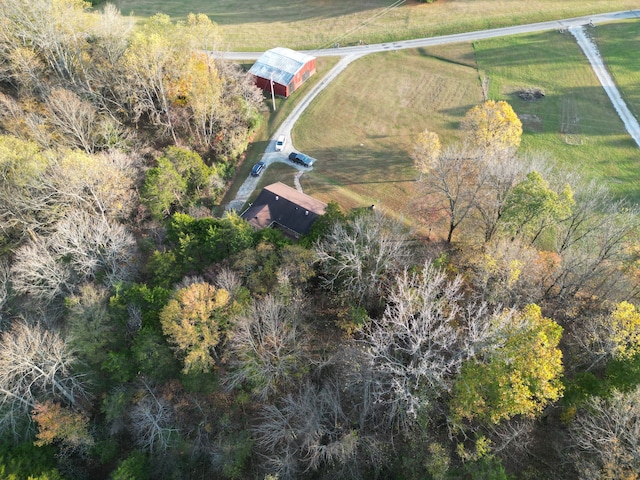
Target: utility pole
(273,98)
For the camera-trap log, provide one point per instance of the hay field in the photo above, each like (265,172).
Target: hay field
(372,112)
(308,24)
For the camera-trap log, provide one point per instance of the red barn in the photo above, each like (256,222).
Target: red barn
(287,69)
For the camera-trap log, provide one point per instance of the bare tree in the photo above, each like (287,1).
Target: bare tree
(152,422)
(92,244)
(606,436)
(228,280)
(593,256)
(23,123)
(38,273)
(266,347)
(513,439)
(454,180)
(418,345)
(150,63)
(39,186)
(35,365)
(102,184)
(74,119)
(307,432)
(360,257)
(593,341)
(591,200)
(4,286)
(502,171)
(55,31)
(82,246)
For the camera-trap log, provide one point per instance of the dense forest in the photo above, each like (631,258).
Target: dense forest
(143,337)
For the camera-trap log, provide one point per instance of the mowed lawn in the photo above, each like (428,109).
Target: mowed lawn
(361,128)
(619,45)
(306,24)
(575,123)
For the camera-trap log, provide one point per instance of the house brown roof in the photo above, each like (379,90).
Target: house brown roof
(283,206)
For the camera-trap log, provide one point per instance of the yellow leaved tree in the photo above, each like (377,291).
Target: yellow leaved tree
(492,126)
(625,330)
(192,320)
(517,372)
(426,151)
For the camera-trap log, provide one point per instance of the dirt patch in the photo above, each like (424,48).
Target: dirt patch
(531,122)
(573,139)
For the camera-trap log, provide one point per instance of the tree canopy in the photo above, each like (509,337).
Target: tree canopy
(492,126)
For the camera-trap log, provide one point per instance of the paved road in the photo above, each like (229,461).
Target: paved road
(349,54)
(456,38)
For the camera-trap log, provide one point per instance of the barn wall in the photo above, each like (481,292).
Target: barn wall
(305,72)
(278,89)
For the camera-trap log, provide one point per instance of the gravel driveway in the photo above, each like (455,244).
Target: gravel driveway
(593,55)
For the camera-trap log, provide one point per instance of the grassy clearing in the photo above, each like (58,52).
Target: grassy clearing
(369,117)
(575,122)
(249,25)
(618,44)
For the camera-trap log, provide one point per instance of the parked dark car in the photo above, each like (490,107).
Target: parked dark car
(301,159)
(257,169)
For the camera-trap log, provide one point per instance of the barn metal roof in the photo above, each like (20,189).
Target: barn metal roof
(282,63)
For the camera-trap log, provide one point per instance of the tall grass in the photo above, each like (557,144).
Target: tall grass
(308,24)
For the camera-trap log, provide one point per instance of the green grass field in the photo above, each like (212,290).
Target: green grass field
(249,25)
(370,116)
(371,113)
(619,45)
(575,123)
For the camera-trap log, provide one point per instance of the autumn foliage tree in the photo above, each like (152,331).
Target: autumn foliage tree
(426,151)
(60,424)
(452,183)
(83,78)
(516,372)
(194,321)
(492,126)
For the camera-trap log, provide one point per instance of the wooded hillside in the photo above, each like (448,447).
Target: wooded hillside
(142,337)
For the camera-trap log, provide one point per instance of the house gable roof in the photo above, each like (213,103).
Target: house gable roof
(286,207)
(279,63)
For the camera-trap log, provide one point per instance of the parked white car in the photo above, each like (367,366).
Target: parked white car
(280,143)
